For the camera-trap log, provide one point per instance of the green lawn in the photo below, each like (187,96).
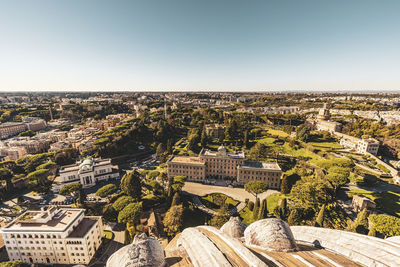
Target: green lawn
(268,141)
(275,132)
(246,216)
(331,145)
(108,234)
(210,201)
(388,202)
(272,202)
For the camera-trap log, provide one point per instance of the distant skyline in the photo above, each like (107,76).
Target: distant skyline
(188,45)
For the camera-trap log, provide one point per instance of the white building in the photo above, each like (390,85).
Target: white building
(87,172)
(53,236)
(369,145)
(362,146)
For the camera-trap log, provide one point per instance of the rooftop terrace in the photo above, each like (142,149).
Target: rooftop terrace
(261,165)
(33,220)
(186,159)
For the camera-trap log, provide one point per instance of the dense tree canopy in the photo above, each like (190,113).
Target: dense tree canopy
(131,213)
(106,190)
(386,224)
(70,189)
(131,185)
(173,220)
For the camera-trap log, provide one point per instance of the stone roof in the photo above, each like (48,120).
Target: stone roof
(234,227)
(268,242)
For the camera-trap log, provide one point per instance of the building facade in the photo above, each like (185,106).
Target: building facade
(87,172)
(369,145)
(9,129)
(224,165)
(53,236)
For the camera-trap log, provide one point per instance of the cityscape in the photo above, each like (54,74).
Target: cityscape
(87,176)
(181,133)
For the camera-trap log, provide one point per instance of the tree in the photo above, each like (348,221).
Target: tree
(127,238)
(310,192)
(10,264)
(203,139)
(338,177)
(219,219)
(39,175)
(256,209)
(7,175)
(109,213)
(360,224)
(131,185)
(263,210)
(285,185)
(295,217)
(303,133)
(160,149)
(386,224)
(29,133)
(257,152)
(372,231)
(106,190)
(122,202)
(81,197)
(246,139)
(176,199)
(193,141)
(256,187)
(70,189)
(320,218)
(178,183)
(131,213)
(173,220)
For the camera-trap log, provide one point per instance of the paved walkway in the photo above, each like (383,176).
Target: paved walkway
(236,193)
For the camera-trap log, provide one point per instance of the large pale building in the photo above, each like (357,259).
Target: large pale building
(224,165)
(323,122)
(53,236)
(87,172)
(9,129)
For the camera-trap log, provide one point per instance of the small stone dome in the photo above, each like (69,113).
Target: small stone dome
(144,251)
(234,227)
(222,150)
(270,234)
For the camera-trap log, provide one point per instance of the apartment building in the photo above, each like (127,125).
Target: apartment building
(369,145)
(362,146)
(87,172)
(34,123)
(53,236)
(224,165)
(12,153)
(9,129)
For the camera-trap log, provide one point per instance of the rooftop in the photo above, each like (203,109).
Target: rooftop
(39,221)
(261,165)
(223,153)
(83,228)
(186,159)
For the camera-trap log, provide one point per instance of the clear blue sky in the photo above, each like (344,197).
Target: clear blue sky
(231,45)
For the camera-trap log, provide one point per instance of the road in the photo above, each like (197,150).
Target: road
(236,193)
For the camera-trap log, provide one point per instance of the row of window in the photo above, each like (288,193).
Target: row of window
(48,236)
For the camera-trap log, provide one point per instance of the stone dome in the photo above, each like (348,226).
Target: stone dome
(234,227)
(222,150)
(143,252)
(270,234)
